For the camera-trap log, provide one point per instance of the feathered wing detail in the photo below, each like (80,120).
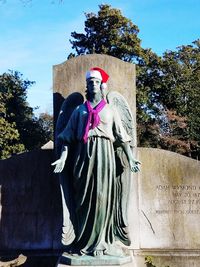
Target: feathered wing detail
(68,106)
(123,173)
(120,105)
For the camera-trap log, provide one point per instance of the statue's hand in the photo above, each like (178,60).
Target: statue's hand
(134,165)
(60,163)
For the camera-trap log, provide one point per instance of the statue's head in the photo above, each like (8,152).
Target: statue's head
(98,73)
(96,79)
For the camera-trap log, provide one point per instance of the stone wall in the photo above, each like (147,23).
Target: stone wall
(30,202)
(168,208)
(169,200)
(164,212)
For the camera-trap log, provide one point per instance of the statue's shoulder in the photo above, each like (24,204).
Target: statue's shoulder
(109,107)
(81,108)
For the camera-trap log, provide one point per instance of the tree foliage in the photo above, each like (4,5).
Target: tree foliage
(20,129)
(108,32)
(179,92)
(171,83)
(9,138)
(148,108)
(46,123)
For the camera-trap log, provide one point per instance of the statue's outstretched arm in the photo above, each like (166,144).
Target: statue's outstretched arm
(133,163)
(60,163)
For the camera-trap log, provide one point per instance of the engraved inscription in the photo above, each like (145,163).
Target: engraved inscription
(177,199)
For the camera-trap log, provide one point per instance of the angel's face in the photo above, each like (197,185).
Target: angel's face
(93,85)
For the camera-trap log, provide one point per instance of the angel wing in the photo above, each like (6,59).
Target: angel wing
(68,106)
(118,103)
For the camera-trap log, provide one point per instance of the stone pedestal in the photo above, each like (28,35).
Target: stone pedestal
(131,264)
(105,260)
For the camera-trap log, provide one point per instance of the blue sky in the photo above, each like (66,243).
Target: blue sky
(35,36)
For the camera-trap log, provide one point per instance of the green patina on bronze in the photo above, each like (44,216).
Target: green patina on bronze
(99,174)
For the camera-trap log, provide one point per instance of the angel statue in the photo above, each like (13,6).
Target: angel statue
(97,140)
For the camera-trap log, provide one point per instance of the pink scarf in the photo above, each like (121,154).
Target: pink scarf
(93,117)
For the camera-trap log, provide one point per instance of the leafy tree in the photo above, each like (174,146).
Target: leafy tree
(46,122)
(108,32)
(170,116)
(178,93)
(174,136)
(9,138)
(22,130)
(149,110)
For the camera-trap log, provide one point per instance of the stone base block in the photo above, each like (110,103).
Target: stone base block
(166,258)
(105,260)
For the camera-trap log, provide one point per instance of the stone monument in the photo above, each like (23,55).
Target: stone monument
(164,214)
(164,206)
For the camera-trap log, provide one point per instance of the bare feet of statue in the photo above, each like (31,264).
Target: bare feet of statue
(98,253)
(114,250)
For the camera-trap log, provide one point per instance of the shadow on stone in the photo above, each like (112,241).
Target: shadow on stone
(31,209)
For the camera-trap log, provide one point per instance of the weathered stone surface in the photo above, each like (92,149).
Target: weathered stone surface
(167,258)
(169,209)
(13,263)
(48,145)
(31,210)
(169,200)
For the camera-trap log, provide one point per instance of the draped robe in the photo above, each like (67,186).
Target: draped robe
(98,218)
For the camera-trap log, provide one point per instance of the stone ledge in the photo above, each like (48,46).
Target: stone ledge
(167,252)
(167,258)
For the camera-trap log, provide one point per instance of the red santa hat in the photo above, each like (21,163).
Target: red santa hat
(98,73)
